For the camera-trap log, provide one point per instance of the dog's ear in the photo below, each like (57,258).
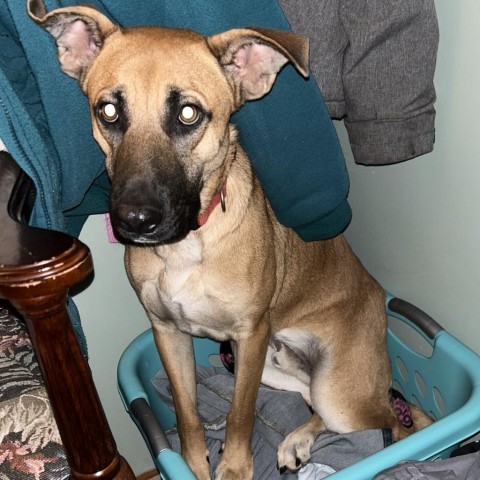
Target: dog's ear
(253,56)
(79,33)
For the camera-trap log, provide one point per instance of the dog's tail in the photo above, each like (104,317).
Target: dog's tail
(301,346)
(291,357)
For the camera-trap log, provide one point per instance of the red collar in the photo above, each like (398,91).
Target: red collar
(217,198)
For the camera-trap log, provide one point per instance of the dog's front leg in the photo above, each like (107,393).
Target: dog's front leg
(176,352)
(250,352)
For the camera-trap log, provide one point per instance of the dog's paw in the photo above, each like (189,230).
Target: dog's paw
(200,466)
(294,452)
(227,470)
(201,472)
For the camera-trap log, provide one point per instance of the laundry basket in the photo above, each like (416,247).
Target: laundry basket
(429,366)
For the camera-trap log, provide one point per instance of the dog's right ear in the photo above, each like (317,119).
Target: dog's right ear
(79,33)
(252,57)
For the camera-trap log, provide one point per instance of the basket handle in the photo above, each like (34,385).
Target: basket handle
(169,463)
(143,415)
(418,317)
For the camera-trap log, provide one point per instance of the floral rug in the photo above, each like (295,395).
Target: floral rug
(30,446)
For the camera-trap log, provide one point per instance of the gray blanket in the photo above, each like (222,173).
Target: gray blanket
(277,414)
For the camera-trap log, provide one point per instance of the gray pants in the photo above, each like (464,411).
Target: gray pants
(466,467)
(374,62)
(277,413)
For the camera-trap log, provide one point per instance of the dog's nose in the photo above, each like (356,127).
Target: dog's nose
(132,221)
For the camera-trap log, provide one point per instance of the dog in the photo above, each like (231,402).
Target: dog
(204,251)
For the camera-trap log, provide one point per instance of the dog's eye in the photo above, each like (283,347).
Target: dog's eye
(189,115)
(109,112)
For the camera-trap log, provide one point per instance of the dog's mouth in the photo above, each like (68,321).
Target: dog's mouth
(128,238)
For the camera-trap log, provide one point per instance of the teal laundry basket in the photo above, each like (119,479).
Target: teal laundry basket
(429,366)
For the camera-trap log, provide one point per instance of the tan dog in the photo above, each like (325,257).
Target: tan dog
(205,253)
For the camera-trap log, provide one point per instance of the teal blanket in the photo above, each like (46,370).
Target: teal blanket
(45,124)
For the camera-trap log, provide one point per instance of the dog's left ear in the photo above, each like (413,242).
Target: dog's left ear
(79,32)
(253,56)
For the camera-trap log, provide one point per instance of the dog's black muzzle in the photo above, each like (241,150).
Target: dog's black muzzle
(149,213)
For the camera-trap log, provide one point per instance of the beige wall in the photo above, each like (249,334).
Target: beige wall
(416,225)
(112,317)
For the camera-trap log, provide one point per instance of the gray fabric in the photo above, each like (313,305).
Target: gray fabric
(374,61)
(277,414)
(466,467)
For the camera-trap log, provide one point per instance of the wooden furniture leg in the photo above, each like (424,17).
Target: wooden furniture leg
(37,269)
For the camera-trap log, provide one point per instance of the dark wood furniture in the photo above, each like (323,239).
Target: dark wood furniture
(37,269)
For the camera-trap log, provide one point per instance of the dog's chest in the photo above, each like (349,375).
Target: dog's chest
(192,295)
